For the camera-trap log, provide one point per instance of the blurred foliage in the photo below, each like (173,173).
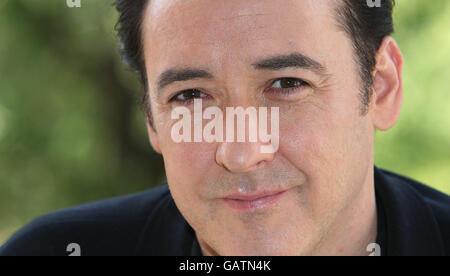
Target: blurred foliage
(419,145)
(70,127)
(71,130)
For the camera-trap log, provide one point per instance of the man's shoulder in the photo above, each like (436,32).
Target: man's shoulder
(111,226)
(438,201)
(423,202)
(128,207)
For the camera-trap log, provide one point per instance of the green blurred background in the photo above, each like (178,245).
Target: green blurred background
(71,130)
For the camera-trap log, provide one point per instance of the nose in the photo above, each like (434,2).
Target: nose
(242,157)
(250,153)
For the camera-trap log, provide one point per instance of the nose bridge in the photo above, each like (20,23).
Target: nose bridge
(234,74)
(234,154)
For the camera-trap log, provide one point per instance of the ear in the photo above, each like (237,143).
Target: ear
(388,86)
(153,136)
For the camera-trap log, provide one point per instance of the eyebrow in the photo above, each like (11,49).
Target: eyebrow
(296,60)
(274,63)
(173,75)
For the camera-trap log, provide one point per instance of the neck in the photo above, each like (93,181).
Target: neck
(356,226)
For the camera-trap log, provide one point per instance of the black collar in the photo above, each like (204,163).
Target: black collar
(407,225)
(167,233)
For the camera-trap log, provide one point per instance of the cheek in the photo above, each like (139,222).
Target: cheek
(330,144)
(312,145)
(184,162)
(187,166)
(187,163)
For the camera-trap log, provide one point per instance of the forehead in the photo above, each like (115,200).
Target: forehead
(198,32)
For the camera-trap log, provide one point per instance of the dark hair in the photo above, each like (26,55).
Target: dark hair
(129,29)
(365,25)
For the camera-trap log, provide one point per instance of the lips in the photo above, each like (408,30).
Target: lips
(253,201)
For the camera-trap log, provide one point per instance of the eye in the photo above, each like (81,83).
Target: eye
(287,85)
(188,96)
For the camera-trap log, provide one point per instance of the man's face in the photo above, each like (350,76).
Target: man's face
(325,145)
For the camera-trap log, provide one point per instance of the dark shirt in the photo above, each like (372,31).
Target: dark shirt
(413,219)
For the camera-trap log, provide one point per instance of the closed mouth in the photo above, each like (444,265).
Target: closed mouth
(254,201)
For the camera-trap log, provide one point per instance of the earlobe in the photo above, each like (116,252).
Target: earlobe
(388,86)
(153,136)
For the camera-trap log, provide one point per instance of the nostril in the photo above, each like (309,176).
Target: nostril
(241,157)
(260,163)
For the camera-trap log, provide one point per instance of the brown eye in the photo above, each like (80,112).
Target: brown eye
(287,83)
(285,87)
(188,96)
